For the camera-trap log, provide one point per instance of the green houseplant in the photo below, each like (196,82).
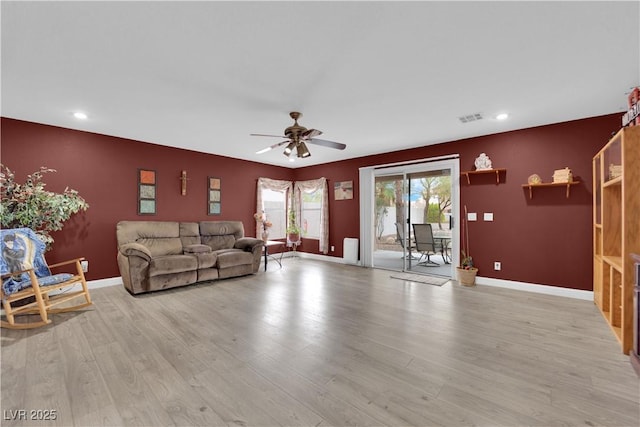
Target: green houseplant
(30,205)
(293,230)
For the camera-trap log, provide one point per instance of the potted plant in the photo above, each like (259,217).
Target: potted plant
(293,230)
(466,271)
(30,205)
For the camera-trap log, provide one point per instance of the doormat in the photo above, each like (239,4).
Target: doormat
(419,278)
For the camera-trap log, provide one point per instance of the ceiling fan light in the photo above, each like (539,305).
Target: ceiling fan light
(289,148)
(303,151)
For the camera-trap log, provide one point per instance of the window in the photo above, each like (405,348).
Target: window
(272,200)
(311,213)
(274,205)
(311,204)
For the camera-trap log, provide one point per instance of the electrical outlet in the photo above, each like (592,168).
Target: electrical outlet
(333,248)
(85,266)
(497,265)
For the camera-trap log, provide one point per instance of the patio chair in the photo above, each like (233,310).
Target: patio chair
(400,232)
(426,244)
(28,285)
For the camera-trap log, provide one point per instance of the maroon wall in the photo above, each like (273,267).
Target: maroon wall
(104,171)
(544,240)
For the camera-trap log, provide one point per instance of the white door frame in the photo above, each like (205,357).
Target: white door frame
(367,200)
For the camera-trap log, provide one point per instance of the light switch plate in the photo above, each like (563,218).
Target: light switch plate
(471,216)
(488,216)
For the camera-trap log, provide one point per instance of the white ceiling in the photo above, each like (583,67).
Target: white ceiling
(377,76)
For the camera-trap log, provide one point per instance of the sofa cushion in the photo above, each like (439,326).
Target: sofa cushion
(206,260)
(221,228)
(233,257)
(172,264)
(221,234)
(166,281)
(162,246)
(189,233)
(208,274)
(132,231)
(160,237)
(196,249)
(219,242)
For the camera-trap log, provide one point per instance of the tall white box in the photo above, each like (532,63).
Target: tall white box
(350,250)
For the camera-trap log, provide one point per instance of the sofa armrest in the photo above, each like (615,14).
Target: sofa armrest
(248,244)
(135,249)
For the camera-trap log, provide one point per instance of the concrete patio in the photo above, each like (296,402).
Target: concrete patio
(388,255)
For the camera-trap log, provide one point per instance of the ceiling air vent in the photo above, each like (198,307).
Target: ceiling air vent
(470,118)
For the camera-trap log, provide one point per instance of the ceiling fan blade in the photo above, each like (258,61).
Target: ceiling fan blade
(271,147)
(261,134)
(325,143)
(310,133)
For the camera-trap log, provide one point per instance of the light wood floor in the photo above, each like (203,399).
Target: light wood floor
(321,344)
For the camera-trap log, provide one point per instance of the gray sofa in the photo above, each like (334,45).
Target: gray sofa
(155,255)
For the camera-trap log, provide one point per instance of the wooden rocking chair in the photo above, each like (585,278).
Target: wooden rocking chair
(28,285)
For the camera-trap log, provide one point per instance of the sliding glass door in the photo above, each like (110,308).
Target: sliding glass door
(413,212)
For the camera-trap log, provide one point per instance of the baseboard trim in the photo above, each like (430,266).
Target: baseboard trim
(327,258)
(103,283)
(536,288)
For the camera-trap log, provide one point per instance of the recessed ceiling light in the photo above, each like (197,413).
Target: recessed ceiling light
(502,116)
(80,115)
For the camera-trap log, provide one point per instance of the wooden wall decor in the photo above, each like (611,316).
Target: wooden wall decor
(146,192)
(214,206)
(183,183)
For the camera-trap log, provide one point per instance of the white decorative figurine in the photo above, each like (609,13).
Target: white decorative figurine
(483,162)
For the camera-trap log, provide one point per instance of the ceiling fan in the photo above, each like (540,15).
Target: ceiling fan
(297,137)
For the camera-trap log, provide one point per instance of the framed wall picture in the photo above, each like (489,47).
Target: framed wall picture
(146,192)
(343,190)
(214,200)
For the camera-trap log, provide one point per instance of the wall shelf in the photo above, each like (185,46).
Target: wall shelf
(482,172)
(615,262)
(611,182)
(550,184)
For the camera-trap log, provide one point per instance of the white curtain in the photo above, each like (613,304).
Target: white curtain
(311,186)
(273,185)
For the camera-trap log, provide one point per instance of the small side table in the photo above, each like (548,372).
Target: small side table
(265,249)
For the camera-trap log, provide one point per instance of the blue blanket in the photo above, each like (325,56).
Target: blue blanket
(21,249)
